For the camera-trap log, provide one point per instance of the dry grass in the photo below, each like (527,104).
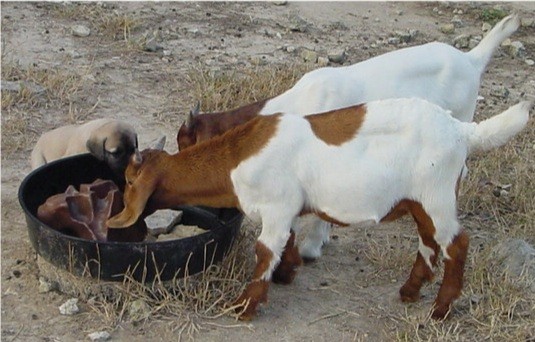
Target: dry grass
(223,90)
(39,89)
(102,18)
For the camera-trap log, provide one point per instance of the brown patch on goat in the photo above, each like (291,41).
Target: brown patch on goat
(256,292)
(420,273)
(337,126)
(205,126)
(452,283)
(290,260)
(323,216)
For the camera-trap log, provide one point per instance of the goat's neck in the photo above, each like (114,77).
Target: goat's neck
(200,175)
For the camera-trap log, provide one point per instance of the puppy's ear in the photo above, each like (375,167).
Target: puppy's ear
(96,146)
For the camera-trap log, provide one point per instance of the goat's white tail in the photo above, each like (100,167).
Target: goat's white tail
(499,129)
(482,53)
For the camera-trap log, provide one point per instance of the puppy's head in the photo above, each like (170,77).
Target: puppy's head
(114,143)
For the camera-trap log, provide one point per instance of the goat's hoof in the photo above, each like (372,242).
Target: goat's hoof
(440,312)
(284,274)
(409,295)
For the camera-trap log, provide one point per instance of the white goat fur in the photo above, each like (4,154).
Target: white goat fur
(402,149)
(436,72)
(405,149)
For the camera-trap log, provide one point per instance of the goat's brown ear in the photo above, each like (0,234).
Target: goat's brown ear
(135,200)
(96,146)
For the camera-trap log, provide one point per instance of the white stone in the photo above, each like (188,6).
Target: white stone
(70,307)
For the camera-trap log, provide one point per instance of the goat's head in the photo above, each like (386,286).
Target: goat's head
(142,176)
(187,133)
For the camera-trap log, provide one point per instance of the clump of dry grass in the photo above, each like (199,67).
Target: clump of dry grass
(191,302)
(20,109)
(103,18)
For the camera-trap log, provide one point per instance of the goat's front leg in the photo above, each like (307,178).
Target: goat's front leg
(290,261)
(269,249)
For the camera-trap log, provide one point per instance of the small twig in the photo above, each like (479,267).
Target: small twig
(327,317)
(18,333)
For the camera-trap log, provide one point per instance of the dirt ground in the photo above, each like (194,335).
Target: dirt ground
(342,296)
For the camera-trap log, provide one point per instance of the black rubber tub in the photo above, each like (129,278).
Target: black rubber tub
(142,261)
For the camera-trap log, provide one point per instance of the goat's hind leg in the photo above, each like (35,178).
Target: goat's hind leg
(428,250)
(452,282)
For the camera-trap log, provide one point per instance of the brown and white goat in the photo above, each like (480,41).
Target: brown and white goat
(436,72)
(372,162)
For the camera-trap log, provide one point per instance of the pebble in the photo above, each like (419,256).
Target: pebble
(517,258)
(16,86)
(516,49)
(138,310)
(290,49)
(162,221)
(457,22)
(152,46)
(70,307)
(447,28)
(337,56)
(499,91)
(99,336)
(323,61)
(80,31)
(45,286)
(309,56)
(527,22)
(486,27)
(394,40)
(530,62)
(461,41)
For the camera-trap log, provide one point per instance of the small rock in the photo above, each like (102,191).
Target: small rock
(45,285)
(323,61)
(80,31)
(486,27)
(527,22)
(163,221)
(259,60)
(530,62)
(16,86)
(515,257)
(399,12)
(152,46)
(457,22)
(138,310)
(394,40)
(99,336)
(406,37)
(461,41)
(447,28)
(167,53)
(473,42)
(337,56)
(499,91)
(70,307)
(298,24)
(309,56)
(290,49)
(516,49)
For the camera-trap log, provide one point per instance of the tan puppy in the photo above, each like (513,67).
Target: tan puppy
(107,139)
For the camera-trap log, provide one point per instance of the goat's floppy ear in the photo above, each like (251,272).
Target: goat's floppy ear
(96,146)
(135,200)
